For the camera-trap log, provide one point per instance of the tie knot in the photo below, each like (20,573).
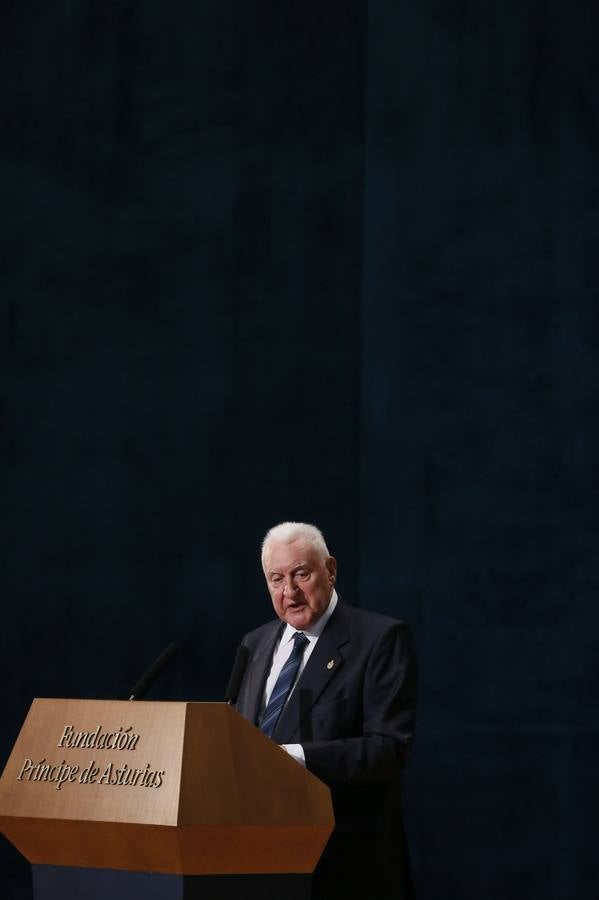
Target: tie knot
(300,640)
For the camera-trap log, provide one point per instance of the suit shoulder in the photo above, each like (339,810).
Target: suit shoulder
(254,637)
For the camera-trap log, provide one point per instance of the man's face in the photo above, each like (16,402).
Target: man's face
(299,581)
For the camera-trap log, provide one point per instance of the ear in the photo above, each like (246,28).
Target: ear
(331,565)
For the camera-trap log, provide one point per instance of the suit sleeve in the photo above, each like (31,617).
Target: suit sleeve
(383,735)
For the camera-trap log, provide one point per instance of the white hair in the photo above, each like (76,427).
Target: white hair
(287,532)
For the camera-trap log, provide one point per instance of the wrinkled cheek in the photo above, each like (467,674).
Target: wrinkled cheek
(277,603)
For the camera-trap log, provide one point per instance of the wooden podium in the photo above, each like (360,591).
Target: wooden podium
(193,792)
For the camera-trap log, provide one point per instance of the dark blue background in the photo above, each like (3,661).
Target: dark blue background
(326,261)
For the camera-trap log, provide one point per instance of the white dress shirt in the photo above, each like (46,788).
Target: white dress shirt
(281,655)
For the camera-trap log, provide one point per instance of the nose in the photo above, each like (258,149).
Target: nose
(290,587)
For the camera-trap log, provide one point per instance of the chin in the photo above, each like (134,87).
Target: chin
(299,619)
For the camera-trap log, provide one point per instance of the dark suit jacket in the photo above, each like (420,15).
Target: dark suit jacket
(355,720)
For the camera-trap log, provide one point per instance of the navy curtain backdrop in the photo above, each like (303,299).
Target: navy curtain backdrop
(333,261)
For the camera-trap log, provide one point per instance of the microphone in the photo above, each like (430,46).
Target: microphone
(153,672)
(241,661)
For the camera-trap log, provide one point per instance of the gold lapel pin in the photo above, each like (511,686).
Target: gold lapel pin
(330,664)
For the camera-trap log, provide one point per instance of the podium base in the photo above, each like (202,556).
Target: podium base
(60,882)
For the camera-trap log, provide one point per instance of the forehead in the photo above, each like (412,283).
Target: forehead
(282,556)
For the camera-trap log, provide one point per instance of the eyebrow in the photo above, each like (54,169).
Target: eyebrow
(302,565)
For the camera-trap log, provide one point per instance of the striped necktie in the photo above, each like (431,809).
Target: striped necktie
(283,684)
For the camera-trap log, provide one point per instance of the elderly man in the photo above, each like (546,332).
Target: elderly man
(335,686)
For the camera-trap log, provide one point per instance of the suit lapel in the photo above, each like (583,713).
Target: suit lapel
(322,667)
(257,673)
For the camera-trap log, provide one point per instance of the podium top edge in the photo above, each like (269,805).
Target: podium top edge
(134,702)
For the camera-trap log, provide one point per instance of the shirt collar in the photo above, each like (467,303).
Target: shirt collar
(316,630)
